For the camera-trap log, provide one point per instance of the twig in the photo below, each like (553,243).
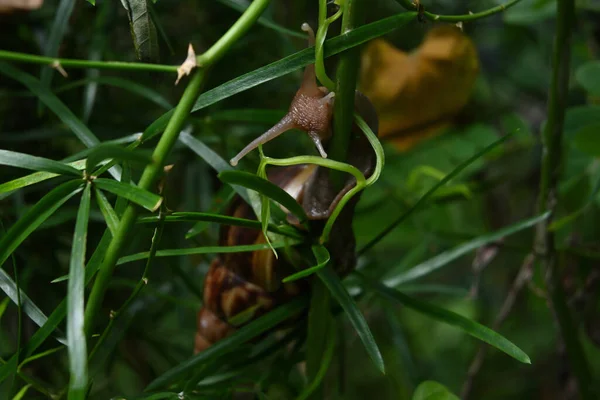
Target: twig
(522,278)
(551,165)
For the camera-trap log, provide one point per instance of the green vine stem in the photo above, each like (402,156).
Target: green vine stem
(345,86)
(455,18)
(160,154)
(69,63)
(324,23)
(549,179)
(361,182)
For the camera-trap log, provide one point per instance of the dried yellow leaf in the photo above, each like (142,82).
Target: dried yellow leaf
(418,93)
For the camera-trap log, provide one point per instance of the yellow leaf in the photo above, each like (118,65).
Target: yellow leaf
(417,94)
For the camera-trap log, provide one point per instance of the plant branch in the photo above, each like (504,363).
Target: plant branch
(456,18)
(241,26)
(160,154)
(69,63)
(550,172)
(345,86)
(149,176)
(523,277)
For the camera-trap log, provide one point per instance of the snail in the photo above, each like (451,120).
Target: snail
(239,287)
(310,111)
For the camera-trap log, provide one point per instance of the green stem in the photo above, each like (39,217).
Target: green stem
(69,63)
(346,77)
(459,18)
(149,176)
(319,323)
(549,179)
(161,152)
(241,26)
(324,23)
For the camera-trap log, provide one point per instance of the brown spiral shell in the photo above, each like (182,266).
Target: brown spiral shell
(250,282)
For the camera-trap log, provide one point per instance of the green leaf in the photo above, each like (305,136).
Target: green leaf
(211,158)
(58,107)
(21,393)
(31,179)
(140,196)
(205,250)
(338,292)
(322,256)
(35,216)
(75,303)
(60,311)
(60,24)
(226,345)
(430,390)
(110,216)
(110,151)
(26,161)
(288,64)
(142,29)
(421,202)
(263,186)
(9,287)
(222,219)
(121,83)
(587,139)
(241,6)
(471,327)
(257,116)
(588,76)
(220,203)
(446,257)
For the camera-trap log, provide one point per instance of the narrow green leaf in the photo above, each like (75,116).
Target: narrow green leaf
(121,83)
(3,306)
(288,64)
(258,116)
(211,158)
(324,365)
(110,151)
(60,24)
(430,390)
(60,311)
(359,323)
(110,216)
(243,335)
(221,219)
(471,327)
(9,287)
(140,196)
(322,256)
(205,250)
(241,6)
(446,257)
(588,76)
(36,215)
(75,303)
(21,393)
(26,161)
(143,30)
(58,107)
(220,203)
(266,188)
(10,186)
(422,200)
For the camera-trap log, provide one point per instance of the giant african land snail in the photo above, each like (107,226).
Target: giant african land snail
(240,282)
(311,110)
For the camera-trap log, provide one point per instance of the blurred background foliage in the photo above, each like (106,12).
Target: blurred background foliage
(509,95)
